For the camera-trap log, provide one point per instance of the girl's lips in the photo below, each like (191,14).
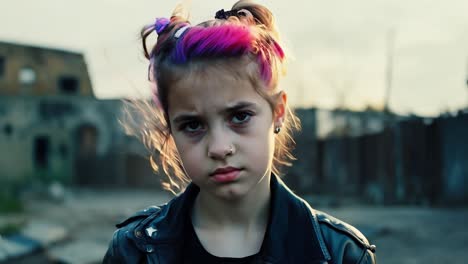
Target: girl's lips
(225,175)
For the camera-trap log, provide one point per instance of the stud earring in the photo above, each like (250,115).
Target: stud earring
(277,129)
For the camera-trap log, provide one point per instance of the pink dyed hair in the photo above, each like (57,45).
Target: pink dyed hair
(228,40)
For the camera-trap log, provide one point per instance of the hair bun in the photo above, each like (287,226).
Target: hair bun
(261,15)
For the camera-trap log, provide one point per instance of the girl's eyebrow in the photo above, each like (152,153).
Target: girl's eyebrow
(184,117)
(236,107)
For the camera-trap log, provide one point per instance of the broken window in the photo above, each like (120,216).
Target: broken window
(8,129)
(41,152)
(2,66)
(68,85)
(27,76)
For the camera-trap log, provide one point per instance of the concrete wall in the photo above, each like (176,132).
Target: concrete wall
(61,137)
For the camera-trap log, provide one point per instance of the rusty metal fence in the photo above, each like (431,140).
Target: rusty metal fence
(415,161)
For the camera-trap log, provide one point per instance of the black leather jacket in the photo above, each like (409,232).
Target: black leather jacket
(298,234)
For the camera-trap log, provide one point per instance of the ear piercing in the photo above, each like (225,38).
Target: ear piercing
(277,129)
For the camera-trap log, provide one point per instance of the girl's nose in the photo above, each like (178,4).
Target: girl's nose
(221,152)
(220,147)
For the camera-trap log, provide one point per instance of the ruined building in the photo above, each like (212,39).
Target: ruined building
(53,128)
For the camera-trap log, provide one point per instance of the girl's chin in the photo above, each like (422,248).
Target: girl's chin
(231,192)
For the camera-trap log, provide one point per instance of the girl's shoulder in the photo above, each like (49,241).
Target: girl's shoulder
(124,246)
(140,216)
(340,242)
(137,236)
(345,242)
(338,225)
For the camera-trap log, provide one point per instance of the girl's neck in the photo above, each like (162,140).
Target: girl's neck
(248,212)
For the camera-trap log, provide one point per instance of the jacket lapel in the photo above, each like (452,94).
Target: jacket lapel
(292,236)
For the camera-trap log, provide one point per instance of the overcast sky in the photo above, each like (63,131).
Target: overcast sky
(339,46)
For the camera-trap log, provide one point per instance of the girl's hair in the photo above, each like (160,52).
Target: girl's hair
(243,41)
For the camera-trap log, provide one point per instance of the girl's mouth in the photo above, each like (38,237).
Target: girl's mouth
(225,175)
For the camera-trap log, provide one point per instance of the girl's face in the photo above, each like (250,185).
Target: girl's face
(223,131)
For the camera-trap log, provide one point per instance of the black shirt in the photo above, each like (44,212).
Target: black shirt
(194,252)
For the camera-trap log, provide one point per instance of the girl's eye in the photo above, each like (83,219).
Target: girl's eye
(192,127)
(241,118)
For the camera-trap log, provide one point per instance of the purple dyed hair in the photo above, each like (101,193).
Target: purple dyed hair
(214,41)
(227,40)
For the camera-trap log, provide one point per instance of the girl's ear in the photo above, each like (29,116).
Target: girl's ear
(280,108)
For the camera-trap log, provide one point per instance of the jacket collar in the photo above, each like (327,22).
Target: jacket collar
(293,230)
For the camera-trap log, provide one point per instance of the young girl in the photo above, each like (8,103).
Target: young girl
(222,126)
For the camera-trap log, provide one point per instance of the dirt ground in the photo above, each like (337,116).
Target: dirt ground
(404,235)
(412,235)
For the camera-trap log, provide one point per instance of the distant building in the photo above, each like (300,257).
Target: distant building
(35,71)
(53,128)
(345,122)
